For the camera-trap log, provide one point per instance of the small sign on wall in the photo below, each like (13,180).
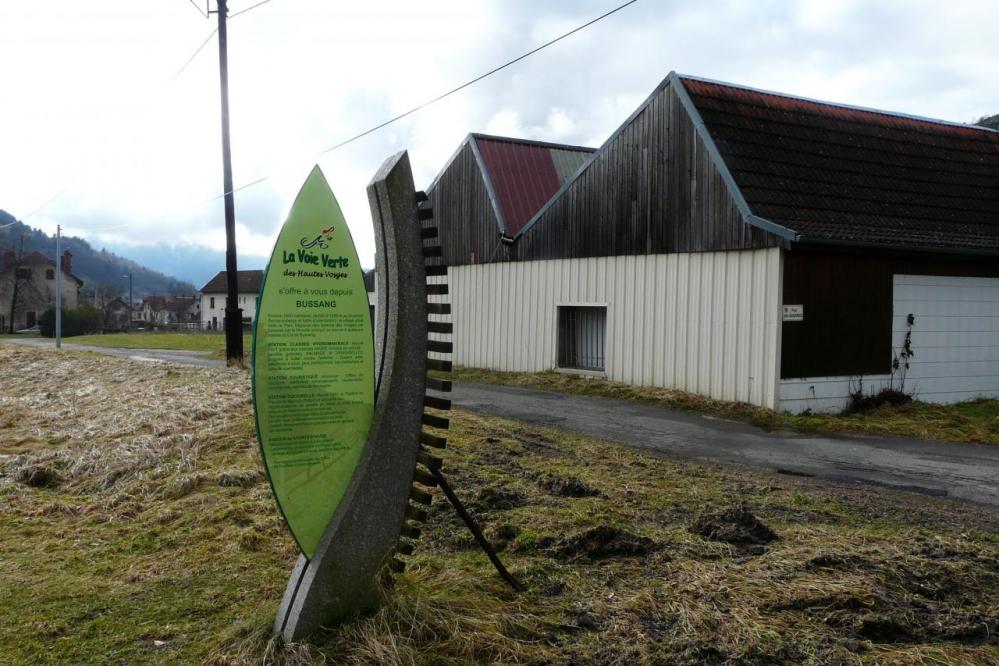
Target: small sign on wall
(794,312)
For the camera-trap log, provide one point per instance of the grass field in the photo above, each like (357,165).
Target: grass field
(137,528)
(210,342)
(976,421)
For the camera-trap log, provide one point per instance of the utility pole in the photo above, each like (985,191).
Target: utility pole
(58,272)
(130,301)
(233,313)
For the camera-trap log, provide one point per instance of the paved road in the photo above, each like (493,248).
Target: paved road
(964,471)
(201,358)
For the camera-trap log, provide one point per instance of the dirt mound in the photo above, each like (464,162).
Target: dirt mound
(38,476)
(538,444)
(603,541)
(844,562)
(567,486)
(496,498)
(239,478)
(736,525)
(500,536)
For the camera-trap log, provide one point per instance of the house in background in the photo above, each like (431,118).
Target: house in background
(150,313)
(213,299)
(744,245)
(116,315)
(168,311)
(28,286)
(181,310)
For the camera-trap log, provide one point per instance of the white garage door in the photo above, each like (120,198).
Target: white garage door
(955,338)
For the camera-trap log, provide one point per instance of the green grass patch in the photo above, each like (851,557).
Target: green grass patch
(210,342)
(975,421)
(141,548)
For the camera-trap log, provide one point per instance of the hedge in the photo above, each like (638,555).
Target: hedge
(81,321)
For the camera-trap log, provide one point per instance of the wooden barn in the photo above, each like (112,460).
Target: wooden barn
(745,245)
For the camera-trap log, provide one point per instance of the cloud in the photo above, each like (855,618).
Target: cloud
(92,105)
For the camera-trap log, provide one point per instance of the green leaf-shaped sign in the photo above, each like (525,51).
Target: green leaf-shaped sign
(313,363)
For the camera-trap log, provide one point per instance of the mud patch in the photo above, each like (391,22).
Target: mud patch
(38,476)
(888,618)
(833,602)
(538,444)
(501,536)
(566,486)
(842,562)
(736,525)
(497,498)
(801,516)
(602,542)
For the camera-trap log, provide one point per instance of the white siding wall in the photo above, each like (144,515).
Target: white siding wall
(247,301)
(701,322)
(955,340)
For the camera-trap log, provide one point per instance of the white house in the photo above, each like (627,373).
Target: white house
(213,298)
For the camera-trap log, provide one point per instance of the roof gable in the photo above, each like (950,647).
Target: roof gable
(834,173)
(36,257)
(521,175)
(248,282)
(656,185)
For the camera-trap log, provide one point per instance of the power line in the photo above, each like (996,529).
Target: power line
(477,79)
(195,54)
(446,94)
(116,226)
(209,38)
(243,11)
(398,117)
(198,7)
(43,206)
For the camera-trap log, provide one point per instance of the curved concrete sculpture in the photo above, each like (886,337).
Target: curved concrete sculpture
(381,510)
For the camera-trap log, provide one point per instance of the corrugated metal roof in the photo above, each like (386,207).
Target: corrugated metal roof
(523,175)
(846,174)
(567,162)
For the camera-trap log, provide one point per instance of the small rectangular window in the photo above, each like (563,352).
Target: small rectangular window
(23,273)
(49,274)
(211,302)
(581,336)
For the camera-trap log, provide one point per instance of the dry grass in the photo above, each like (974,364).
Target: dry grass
(975,421)
(182,559)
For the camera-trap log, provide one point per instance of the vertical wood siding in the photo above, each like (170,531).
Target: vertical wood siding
(700,322)
(463,213)
(652,189)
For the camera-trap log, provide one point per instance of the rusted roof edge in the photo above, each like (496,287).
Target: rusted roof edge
(719,163)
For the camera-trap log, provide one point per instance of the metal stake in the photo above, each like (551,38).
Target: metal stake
(476,532)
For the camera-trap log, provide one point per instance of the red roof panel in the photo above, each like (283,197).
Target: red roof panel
(523,176)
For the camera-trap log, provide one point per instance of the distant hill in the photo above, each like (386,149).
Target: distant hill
(195,263)
(992,122)
(94,267)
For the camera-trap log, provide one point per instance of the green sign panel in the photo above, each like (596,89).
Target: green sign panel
(313,363)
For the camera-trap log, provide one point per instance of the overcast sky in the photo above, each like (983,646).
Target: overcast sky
(90,104)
